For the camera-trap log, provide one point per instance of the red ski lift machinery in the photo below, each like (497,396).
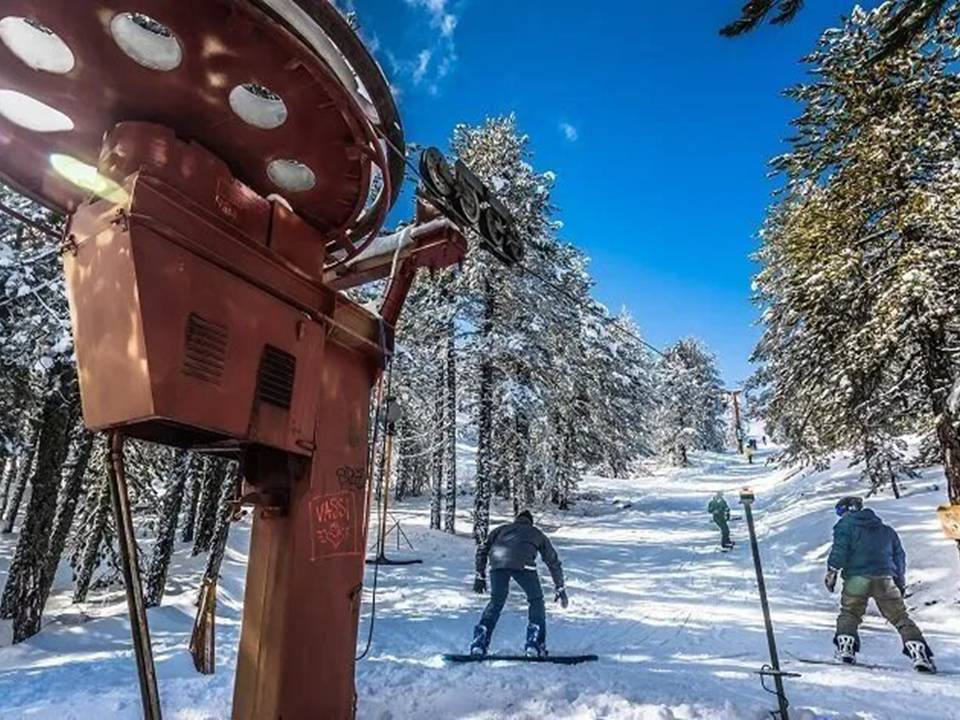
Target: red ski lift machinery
(226,167)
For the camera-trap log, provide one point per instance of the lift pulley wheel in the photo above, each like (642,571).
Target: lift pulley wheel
(436,173)
(283,91)
(465,200)
(468,203)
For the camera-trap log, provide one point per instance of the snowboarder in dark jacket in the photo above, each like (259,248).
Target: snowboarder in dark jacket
(512,551)
(720,511)
(873,565)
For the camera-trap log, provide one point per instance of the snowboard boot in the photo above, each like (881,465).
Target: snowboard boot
(481,638)
(921,655)
(846,649)
(535,646)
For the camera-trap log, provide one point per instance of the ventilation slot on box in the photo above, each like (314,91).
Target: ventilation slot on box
(275,379)
(206,349)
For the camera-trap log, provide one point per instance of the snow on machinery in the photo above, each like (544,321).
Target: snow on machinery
(226,167)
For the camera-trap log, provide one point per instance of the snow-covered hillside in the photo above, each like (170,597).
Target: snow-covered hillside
(676,623)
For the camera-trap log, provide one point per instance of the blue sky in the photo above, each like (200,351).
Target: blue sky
(658,129)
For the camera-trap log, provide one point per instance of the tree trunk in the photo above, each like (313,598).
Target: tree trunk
(212,488)
(167,532)
(450,434)
(6,480)
(23,595)
(221,532)
(437,454)
(23,475)
(67,508)
(97,531)
(523,493)
(481,502)
(195,482)
(502,443)
(938,378)
(567,483)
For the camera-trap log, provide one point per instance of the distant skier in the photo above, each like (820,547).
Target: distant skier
(874,566)
(513,550)
(720,511)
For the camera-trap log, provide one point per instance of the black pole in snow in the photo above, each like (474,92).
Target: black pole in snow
(127,543)
(747,497)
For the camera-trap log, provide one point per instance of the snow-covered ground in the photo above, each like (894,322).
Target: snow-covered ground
(676,623)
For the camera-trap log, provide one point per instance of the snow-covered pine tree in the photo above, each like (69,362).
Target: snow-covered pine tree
(75,474)
(23,596)
(690,412)
(861,253)
(494,299)
(534,368)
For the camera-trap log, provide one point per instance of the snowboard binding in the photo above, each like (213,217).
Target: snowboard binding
(921,655)
(846,649)
(535,647)
(481,638)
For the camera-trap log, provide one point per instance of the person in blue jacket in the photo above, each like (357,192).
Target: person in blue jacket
(870,557)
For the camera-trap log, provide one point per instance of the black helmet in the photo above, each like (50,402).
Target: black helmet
(525,514)
(851,503)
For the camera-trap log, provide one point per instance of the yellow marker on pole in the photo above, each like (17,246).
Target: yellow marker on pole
(950,519)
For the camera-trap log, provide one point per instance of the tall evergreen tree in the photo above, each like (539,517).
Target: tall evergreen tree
(690,415)
(75,473)
(23,596)
(860,255)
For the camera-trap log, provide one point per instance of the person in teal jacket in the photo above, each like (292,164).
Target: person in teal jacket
(720,511)
(873,564)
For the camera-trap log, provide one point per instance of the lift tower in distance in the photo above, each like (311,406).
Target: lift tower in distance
(226,167)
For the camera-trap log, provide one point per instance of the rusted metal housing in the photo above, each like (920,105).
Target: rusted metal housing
(197,325)
(207,312)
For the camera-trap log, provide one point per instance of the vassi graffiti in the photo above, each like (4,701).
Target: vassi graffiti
(334,525)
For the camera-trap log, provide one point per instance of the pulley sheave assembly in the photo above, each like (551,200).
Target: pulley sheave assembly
(464,198)
(282,91)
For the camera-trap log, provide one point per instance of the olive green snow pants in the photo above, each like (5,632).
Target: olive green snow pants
(858,590)
(721,522)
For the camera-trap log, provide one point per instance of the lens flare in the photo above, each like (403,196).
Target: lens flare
(88,178)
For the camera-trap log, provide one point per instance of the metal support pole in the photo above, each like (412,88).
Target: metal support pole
(385,496)
(126,541)
(747,497)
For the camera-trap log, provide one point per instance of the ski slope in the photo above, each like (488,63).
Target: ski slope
(676,622)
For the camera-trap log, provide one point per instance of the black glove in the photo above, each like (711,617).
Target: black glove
(830,580)
(902,587)
(480,584)
(561,596)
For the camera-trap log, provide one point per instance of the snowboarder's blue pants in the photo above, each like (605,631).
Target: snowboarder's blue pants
(529,580)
